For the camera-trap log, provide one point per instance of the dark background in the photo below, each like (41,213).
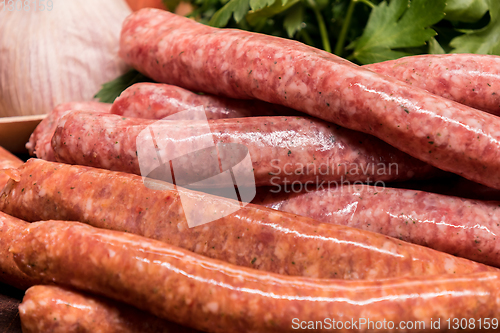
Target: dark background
(10,298)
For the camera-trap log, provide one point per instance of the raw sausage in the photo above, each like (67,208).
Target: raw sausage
(9,272)
(7,160)
(246,65)
(157,101)
(252,236)
(462,227)
(283,150)
(470,79)
(39,143)
(61,310)
(214,296)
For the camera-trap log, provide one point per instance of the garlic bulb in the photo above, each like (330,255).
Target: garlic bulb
(48,57)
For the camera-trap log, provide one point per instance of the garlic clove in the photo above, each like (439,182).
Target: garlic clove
(61,55)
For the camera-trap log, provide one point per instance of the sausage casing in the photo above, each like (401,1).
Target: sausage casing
(40,140)
(246,65)
(7,160)
(470,79)
(283,150)
(214,296)
(252,236)
(462,227)
(9,272)
(61,310)
(157,101)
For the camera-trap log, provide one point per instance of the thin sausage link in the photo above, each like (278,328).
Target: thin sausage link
(214,296)
(252,236)
(157,101)
(241,64)
(470,79)
(9,272)
(7,160)
(282,149)
(462,227)
(40,140)
(61,310)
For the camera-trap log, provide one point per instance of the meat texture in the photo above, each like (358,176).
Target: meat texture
(470,79)
(462,227)
(214,296)
(9,272)
(61,310)
(157,101)
(251,236)
(40,140)
(7,161)
(283,150)
(246,65)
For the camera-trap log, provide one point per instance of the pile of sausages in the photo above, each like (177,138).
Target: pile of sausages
(104,247)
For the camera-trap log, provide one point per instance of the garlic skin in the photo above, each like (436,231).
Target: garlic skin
(63,55)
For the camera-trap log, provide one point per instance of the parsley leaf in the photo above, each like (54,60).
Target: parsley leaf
(482,41)
(112,89)
(204,10)
(401,24)
(465,10)
(236,8)
(435,47)
(254,17)
(294,20)
(259,4)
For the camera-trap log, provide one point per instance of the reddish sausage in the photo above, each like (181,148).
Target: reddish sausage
(246,65)
(9,272)
(61,310)
(7,160)
(470,79)
(157,101)
(462,227)
(40,139)
(252,236)
(214,296)
(282,149)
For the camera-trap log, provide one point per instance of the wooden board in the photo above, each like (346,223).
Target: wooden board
(16,131)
